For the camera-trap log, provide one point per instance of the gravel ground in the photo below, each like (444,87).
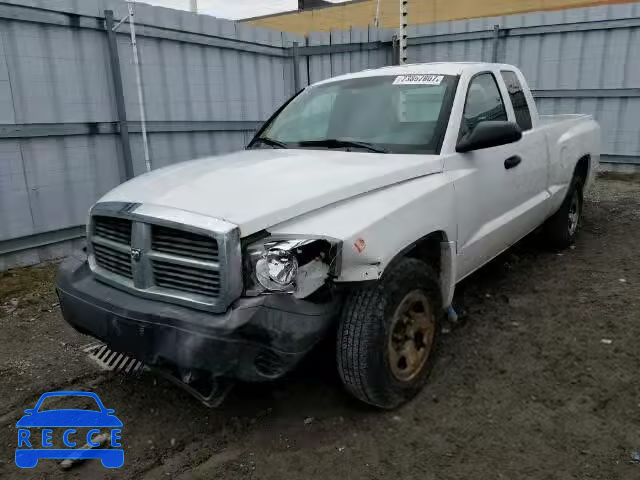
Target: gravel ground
(539,380)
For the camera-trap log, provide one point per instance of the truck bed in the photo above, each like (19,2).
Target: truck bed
(546,120)
(569,137)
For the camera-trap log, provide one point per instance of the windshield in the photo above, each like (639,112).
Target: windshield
(398,114)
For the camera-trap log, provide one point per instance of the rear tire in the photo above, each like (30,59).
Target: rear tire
(387,335)
(561,229)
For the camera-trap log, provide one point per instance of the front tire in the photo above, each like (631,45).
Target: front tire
(387,335)
(561,229)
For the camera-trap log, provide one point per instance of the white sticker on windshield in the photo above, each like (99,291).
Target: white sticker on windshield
(415,79)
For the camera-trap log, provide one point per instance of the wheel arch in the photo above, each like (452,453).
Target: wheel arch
(439,252)
(583,168)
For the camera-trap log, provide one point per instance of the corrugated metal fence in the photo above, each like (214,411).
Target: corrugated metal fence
(209,83)
(582,60)
(576,61)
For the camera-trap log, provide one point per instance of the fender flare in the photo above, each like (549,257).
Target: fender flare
(447,265)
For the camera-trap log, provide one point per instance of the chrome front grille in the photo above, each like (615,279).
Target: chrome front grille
(112,228)
(167,254)
(113,260)
(181,243)
(186,279)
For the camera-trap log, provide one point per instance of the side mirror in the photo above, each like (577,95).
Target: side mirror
(489,134)
(29,411)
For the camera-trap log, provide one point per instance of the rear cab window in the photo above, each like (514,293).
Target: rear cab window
(518,99)
(483,103)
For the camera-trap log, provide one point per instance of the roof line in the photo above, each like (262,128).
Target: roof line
(290,12)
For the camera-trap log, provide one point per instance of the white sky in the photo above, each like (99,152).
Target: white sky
(233,9)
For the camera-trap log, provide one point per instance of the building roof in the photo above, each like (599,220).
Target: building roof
(303,6)
(361,13)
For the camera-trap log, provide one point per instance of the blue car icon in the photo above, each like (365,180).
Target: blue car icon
(68,419)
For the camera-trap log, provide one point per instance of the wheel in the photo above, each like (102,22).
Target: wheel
(387,335)
(561,228)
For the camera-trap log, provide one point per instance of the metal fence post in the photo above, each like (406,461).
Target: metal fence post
(395,50)
(402,32)
(296,67)
(126,164)
(496,43)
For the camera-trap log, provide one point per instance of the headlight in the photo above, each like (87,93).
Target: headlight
(296,266)
(277,269)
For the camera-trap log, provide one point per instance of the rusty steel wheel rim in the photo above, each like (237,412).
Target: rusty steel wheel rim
(411,336)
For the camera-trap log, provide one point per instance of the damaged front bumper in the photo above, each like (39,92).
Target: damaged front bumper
(259,338)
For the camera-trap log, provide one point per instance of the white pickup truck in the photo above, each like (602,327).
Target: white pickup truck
(352,213)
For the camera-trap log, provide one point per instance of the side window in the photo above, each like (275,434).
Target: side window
(518,100)
(483,103)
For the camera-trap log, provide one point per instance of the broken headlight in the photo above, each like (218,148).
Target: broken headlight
(299,266)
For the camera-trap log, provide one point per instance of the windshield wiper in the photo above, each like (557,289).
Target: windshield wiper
(271,142)
(342,142)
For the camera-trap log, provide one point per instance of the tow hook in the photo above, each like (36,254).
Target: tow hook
(208,389)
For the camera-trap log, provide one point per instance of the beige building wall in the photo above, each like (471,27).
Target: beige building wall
(361,13)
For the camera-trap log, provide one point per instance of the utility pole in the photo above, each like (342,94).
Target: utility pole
(136,62)
(193,6)
(376,21)
(402,34)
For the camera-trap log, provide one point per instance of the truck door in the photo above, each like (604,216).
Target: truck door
(485,187)
(528,178)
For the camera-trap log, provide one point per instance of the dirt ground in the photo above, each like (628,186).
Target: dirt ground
(539,380)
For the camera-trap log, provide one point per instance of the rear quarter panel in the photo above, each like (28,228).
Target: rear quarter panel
(569,138)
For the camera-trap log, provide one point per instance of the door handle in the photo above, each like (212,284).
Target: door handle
(512,162)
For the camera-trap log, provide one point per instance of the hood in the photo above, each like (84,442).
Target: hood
(256,189)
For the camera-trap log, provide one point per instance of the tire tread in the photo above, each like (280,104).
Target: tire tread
(555,228)
(363,322)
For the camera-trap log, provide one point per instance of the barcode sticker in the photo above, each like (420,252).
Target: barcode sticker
(415,79)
